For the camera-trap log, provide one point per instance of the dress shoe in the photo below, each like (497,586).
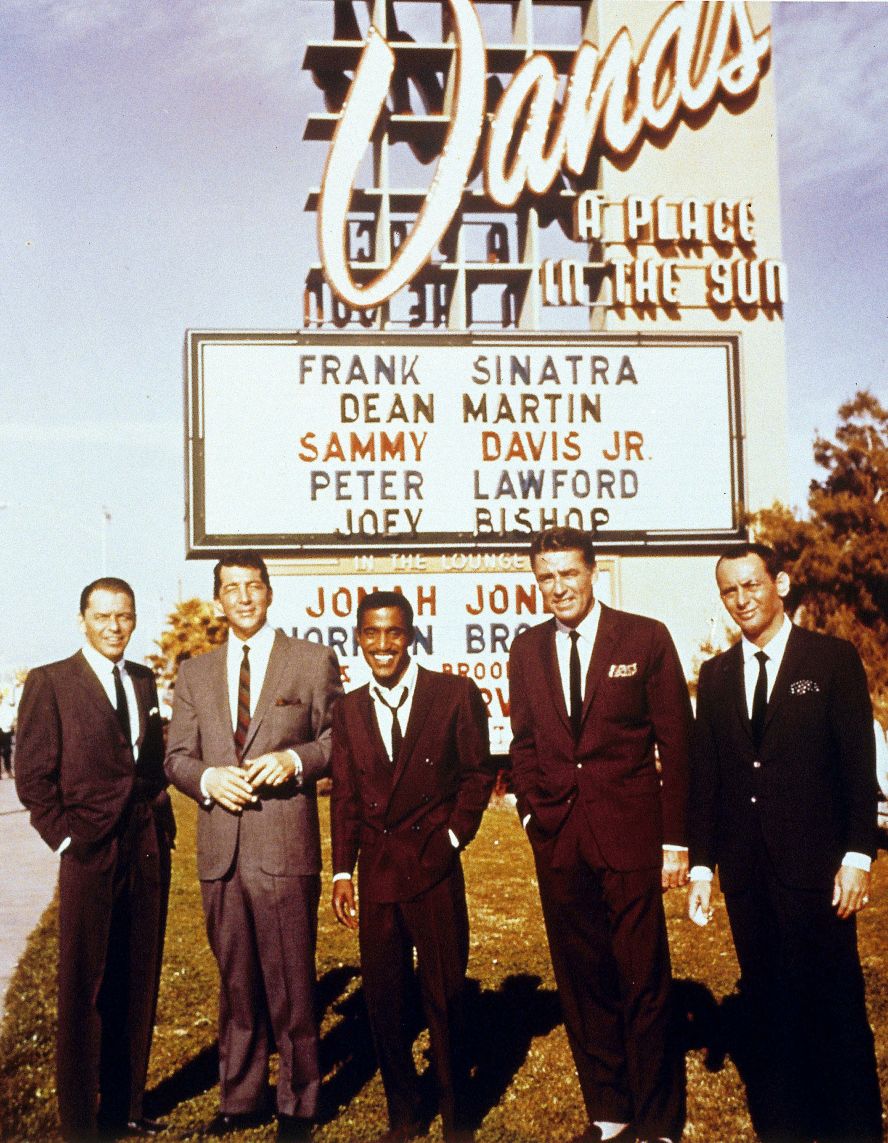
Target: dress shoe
(293,1127)
(144,1126)
(227,1122)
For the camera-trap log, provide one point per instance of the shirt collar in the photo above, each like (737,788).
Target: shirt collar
(102,666)
(408,680)
(587,626)
(264,636)
(775,646)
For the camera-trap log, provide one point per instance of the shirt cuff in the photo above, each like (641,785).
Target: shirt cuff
(63,846)
(675,848)
(700,873)
(342,877)
(524,821)
(207,797)
(454,840)
(858,861)
(297,762)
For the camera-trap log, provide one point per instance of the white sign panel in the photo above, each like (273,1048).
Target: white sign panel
(337,443)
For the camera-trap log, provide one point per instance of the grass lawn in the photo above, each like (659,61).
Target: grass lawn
(525,1082)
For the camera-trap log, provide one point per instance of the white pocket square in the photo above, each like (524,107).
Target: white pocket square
(804,687)
(154,710)
(622,670)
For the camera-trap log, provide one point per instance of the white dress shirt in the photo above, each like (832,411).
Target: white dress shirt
(587,629)
(775,649)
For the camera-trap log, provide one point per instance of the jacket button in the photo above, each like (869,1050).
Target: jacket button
(753,799)
(579,765)
(756,765)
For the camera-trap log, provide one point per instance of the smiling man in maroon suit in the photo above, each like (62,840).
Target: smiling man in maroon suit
(250,737)
(784,805)
(597,698)
(411,779)
(89,767)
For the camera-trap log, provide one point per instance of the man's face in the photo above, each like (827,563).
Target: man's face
(567,583)
(384,638)
(108,622)
(753,600)
(244,600)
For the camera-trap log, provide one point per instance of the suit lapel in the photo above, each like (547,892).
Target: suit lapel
(92,691)
(735,683)
(419,713)
(605,638)
(277,661)
(371,727)
(552,672)
(789,665)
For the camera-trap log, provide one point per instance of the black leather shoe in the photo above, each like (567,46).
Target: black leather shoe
(293,1127)
(227,1122)
(144,1126)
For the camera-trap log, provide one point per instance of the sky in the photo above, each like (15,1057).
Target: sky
(153,178)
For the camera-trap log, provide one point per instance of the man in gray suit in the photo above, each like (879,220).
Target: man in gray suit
(249,738)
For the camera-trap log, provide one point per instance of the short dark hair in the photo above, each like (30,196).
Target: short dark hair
(773,563)
(375,600)
(106,583)
(239,560)
(563,540)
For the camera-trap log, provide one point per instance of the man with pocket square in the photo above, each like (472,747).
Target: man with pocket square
(783,804)
(411,780)
(89,767)
(249,739)
(601,723)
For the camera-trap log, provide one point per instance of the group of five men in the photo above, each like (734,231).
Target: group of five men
(606,762)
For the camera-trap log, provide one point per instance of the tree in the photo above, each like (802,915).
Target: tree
(838,554)
(193,627)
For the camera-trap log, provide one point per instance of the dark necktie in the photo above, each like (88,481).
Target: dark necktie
(121,705)
(243,703)
(759,700)
(397,733)
(576,688)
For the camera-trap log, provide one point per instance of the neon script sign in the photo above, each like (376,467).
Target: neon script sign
(695,54)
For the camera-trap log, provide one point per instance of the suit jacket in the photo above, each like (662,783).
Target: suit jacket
(635,700)
(395,821)
(293,712)
(812,779)
(74,768)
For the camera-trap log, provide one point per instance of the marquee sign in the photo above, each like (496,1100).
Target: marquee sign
(317,443)
(538,141)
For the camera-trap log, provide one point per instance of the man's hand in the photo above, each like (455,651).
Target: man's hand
(850,891)
(675,868)
(228,786)
(343,903)
(700,902)
(270,769)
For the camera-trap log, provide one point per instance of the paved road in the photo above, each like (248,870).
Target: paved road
(28,874)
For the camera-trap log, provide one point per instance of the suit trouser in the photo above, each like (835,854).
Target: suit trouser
(610,956)
(436,924)
(804,990)
(112,915)
(263,932)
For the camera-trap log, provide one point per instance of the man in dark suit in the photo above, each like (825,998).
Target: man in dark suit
(597,698)
(249,739)
(784,805)
(89,767)
(411,779)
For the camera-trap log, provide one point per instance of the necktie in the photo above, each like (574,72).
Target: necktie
(243,703)
(759,700)
(122,706)
(397,734)
(576,688)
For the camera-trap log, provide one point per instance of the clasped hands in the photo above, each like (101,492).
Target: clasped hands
(234,787)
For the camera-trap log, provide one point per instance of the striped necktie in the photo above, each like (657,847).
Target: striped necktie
(243,703)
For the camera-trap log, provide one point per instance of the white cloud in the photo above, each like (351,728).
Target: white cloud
(830,61)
